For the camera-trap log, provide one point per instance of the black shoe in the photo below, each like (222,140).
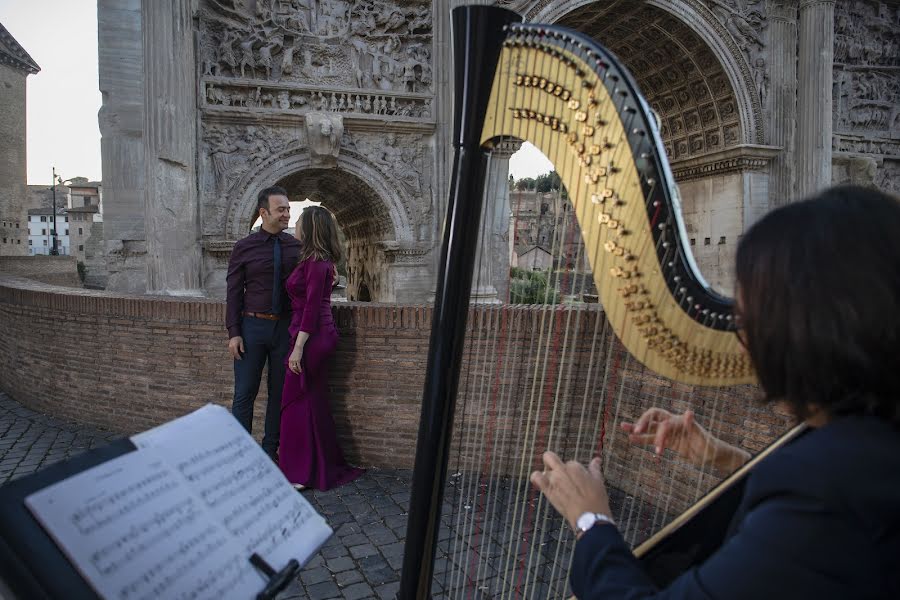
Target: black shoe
(273,456)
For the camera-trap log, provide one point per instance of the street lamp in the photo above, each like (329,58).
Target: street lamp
(54,250)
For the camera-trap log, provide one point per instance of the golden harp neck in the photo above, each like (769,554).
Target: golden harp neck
(569,97)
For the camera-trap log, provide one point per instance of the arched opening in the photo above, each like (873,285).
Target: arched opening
(676,70)
(705,117)
(363,222)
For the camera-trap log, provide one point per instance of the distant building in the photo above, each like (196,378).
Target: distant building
(40,231)
(15,66)
(547,235)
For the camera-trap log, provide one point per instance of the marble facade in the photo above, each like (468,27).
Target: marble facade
(347,103)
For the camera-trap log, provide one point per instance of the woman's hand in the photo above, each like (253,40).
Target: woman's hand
(684,436)
(294,360)
(571,488)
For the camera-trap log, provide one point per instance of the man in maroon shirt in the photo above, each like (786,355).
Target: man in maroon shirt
(257,312)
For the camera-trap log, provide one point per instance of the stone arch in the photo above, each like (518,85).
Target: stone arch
(370,210)
(392,219)
(707,54)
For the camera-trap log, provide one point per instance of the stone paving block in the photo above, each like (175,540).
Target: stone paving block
(315,575)
(324,591)
(357,591)
(337,565)
(388,591)
(348,578)
(363,550)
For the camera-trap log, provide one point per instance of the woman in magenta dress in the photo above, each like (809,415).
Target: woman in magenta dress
(309,455)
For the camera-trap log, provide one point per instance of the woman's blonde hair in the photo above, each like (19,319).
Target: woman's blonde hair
(317,232)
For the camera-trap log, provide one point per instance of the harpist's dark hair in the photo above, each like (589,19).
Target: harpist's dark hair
(819,284)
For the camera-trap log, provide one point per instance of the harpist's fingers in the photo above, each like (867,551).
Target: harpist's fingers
(650,417)
(642,439)
(552,461)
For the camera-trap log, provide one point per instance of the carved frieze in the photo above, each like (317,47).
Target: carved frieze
(866,94)
(324,131)
(221,93)
(377,45)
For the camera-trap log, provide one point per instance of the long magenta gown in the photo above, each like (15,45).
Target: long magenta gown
(309,453)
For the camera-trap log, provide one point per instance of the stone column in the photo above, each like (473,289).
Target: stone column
(121,120)
(814,126)
(783,95)
(492,280)
(170,122)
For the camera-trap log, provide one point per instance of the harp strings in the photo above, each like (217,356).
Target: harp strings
(518,401)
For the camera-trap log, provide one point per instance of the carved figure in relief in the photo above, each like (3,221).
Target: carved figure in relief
(265,57)
(333,104)
(761,78)
(323,102)
(247,59)
(287,60)
(324,132)
(225,53)
(298,100)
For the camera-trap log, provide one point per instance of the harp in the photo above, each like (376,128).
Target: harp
(569,97)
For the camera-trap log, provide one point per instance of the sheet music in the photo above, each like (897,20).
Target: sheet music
(180,517)
(136,531)
(240,486)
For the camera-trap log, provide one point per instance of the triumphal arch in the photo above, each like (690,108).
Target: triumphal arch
(347,102)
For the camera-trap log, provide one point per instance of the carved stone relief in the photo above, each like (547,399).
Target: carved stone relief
(866,92)
(299,100)
(382,45)
(233,150)
(324,131)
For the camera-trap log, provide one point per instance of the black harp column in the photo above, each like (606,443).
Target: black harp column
(477,33)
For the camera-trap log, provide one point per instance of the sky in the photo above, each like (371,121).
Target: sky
(63,99)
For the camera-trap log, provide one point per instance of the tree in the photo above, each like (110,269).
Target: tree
(531,287)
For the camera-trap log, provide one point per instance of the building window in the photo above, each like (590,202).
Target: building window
(30,243)
(67,219)
(81,231)
(44,231)
(81,247)
(18,242)
(45,242)
(17,225)
(4,240)
(706,241)
(43,219)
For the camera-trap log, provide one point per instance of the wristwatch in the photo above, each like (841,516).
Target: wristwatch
(588,520)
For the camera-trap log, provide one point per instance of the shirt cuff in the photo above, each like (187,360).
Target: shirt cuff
(234,331)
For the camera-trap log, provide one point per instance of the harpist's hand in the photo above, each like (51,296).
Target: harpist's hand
(684,436)
(571,488)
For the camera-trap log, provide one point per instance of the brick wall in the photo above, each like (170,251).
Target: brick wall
(54,270)
(530,379)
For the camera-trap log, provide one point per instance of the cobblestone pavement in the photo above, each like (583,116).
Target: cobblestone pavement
(364,557)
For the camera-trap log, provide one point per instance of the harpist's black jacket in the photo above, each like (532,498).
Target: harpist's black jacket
(820,519)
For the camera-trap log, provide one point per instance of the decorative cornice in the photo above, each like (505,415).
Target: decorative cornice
(747,157)
(276,117)
(14,54)
(404,253)
(218,246)
(804,4)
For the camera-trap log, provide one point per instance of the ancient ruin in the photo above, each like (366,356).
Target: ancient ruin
(347,103)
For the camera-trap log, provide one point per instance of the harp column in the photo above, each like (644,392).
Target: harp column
(814,126)
(492,279)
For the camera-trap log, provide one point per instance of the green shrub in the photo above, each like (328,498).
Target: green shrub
(531,287)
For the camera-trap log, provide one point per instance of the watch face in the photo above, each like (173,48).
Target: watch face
(585,521)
